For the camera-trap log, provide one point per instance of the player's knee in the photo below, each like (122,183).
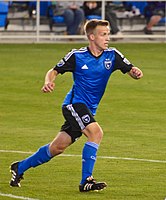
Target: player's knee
(56,149)
(100,135)
(95,134)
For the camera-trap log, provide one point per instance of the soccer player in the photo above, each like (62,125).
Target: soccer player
(91,67)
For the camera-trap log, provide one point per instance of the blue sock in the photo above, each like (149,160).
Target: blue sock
(41,156)
(88,159)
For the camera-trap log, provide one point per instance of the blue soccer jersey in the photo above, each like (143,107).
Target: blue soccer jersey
(90,74)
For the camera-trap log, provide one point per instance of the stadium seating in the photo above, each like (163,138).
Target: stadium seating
(3,14)
(44,5)
(137,4)
(47,11)
(55,18)
(162,21)
(22,18)
(89,17)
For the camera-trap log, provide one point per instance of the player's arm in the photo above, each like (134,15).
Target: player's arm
(125,66)
(66,64)
(135,73)
(49,81)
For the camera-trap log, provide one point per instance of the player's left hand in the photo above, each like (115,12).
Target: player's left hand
(49,87)
(136,73)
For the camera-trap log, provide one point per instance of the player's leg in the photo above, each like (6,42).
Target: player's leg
(43,155)
(69,19)
(155,18)
(60,143)
(81,119)
(89,153)
(94,134)
(46,153)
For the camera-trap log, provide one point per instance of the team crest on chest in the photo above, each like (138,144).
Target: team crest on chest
(107,64)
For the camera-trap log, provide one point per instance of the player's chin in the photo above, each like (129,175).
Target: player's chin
(105,46)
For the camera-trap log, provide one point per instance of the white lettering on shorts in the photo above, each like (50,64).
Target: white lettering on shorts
(76,116)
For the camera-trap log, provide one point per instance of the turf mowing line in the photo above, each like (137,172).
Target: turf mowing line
(16,197)
(102,157)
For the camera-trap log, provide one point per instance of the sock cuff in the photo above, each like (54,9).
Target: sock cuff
(92,144)
(48,150)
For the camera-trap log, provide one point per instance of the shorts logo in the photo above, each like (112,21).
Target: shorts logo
(107,64)
(86,119)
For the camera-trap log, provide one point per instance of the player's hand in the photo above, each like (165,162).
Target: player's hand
(49,87)
(136,73)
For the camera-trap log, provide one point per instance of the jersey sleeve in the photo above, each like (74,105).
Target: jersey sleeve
(66,64)
(121,63)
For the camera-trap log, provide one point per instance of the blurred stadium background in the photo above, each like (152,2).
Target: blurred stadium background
(29,21)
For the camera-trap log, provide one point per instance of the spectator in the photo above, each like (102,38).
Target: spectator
(154,12)
(94,8)
(134,8)
(73,15)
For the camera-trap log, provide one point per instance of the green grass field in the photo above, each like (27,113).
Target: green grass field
(132,114)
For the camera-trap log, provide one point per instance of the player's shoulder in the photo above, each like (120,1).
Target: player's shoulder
(75,51)
(110,49)
(114,50)
(81,50)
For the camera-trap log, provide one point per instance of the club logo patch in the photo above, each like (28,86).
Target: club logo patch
(107,64)
(60,63)
(86,119)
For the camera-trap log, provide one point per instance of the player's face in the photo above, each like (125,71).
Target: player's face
(102,37)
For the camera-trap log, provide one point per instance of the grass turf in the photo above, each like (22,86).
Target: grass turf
(132,115)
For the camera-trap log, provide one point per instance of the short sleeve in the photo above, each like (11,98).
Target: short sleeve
(66,64)
(121,63)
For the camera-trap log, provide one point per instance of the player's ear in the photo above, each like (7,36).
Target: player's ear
(91,36)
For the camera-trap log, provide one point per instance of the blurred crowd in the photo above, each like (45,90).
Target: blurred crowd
(74,13)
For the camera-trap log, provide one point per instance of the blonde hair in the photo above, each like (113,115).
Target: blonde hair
(91,25)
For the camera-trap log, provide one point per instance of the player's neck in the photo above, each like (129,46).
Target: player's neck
(95,51)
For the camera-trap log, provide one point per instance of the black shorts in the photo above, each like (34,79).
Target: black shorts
(77,117)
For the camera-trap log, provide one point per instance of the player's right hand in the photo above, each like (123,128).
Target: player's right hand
(49,87)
